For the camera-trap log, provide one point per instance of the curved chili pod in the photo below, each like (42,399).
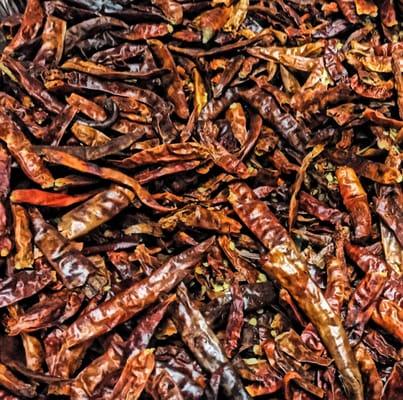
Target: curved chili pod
(375,171)
(292,344)
(23,284)
(134,376)
(393,385)
(372,380)
(145,31)
(389,316)
(31,23)
(379,119)
(160,107)
(33,86)
(62,158)
(86,382)
(21,149)
(112,360)
(13,105)
(210,21)
(320,210)
(282,252)
(170,169)
(87,107)
(64,362)
(355,200)
(172,10)
(49,311)
(284,123)
(88,135)
(205,346)
(70,264)
(172,82)
(15,385)
(235,321)
(228,75)
(364,298)
(92,68)
(108,148)
(131,301)
(118,54)
(292,214)
(293,376)
(83,29)
(53,36)
(397,66)
(222,157)
(380,92)
(33,352)
(337,289)
(237,118)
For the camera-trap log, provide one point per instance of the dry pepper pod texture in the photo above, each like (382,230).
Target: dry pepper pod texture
(201,200)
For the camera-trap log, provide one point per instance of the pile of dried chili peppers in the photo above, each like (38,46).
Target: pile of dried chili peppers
(201,199)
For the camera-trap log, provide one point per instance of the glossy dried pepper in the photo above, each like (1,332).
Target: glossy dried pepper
(355,200)
(24,256)
(21,149)
(295,278)
(53,36)
(73,268)
(136,297)
(24,284)
(205,346)
(94,212)
(138,129)
(31,23)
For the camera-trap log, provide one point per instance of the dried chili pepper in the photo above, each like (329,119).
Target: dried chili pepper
(136,297)
(80,31)
(53,36)
(76,163)
(355,200)
(50,311)
(94,212)
(73,268)
(235,322)
(33,86)
(134,375)
(21,149)
(31,23)
(173,83)
(23,284)
(24,257)
(49,199)
(138,129)
(265,225)
(373,383)
(205,345)
(15,385)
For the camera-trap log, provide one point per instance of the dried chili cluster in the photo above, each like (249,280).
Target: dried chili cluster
(201,199)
